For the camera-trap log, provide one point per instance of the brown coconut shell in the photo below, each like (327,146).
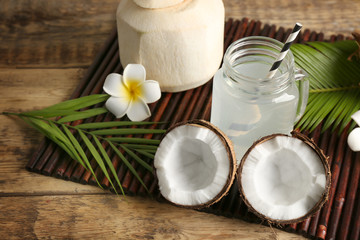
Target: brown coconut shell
(324,161)
(231,156)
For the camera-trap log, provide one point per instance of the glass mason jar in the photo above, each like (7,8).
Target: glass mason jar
(245,104)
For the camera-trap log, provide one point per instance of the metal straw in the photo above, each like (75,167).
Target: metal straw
(284,50)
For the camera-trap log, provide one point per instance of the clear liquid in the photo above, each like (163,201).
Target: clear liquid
(246,118)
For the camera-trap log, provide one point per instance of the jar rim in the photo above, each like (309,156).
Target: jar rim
(272,48)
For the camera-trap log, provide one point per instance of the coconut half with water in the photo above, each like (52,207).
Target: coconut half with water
(284,179)
(195,164)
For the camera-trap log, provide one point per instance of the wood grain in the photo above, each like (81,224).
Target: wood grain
(18,140)
(112,217)
(34,206)
(45,49)
(329,17)
(54,33)
(51,33)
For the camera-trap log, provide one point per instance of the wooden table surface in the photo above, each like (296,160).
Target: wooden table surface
(45,49)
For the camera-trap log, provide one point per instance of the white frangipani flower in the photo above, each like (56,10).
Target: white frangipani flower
(130,93)
(354,136)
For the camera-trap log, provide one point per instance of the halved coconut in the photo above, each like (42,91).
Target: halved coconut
(195,164)
(284,179)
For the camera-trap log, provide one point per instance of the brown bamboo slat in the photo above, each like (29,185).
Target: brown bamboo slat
(304,226)
(335,170)
(326,146)
(355,226)
(348,212)
(338,219)
(340,196)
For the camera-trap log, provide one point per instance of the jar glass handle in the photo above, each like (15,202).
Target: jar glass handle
(300,76)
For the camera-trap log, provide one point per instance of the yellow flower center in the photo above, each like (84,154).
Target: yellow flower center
(134,90)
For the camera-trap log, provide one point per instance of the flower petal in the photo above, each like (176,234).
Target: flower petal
(134,72)
(117,106)
(138,110)
(151,91)
(114,85)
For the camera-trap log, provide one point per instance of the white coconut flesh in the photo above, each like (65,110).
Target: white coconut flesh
(356,117)
(354,136)
(192,165)
(283,178)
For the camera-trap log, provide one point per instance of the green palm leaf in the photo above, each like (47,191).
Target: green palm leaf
(140,146)
(111,124)
(83,115)
(81,156)
(95,154)
(70,105)
(334,83)
(94,136)
(127,131)
(145,153)
(50,133)
(127,163)
(134,140)
(109,164)
(139,160)
(334,97)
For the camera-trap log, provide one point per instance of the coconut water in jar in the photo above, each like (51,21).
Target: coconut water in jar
(245,104)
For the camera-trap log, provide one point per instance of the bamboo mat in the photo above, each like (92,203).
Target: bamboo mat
(340,216)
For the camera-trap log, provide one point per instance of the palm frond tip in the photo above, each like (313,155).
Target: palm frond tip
(87,142)
(334,93)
